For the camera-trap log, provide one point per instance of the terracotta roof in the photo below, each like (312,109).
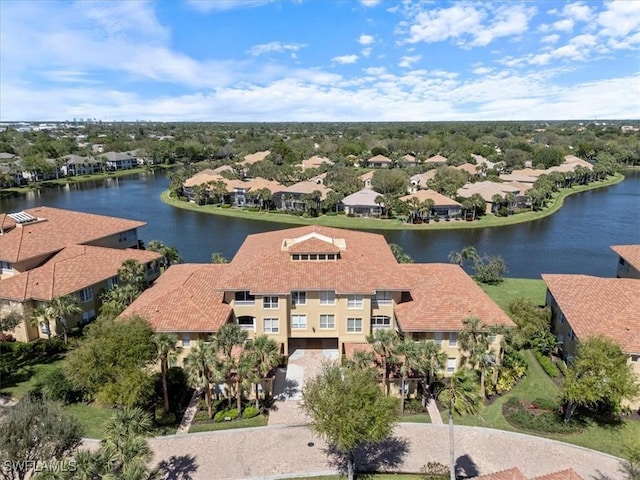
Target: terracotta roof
(421,178)
(436,159)
(470,168)
(599,306)
(202,177)
(365,197)
(523,187)
(486,190)
(184,299)
(314,162)
(313,245)
(254,184)
(443,295)
(437,198)
(307,186)
(511,474)
(261,265)
(379,159)
(6,223)
(366,176)
(572,159)
(58,229)
(568,474)
(409,158)
(631,253)
(70,270)
(480,159)
(518,176)
(255,157)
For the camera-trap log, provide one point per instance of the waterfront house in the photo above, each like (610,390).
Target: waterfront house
(317,286)
(628,261)
(292,197)
(363,203)
(583,306)
(119,160)
(79,165)
(443,206)
(487,190)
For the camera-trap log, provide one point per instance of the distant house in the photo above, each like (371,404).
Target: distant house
(408,161)
(628,261)
(526,175)
(119,160)
(363,203)
(420,181)
(480,160)
(471,169)
(436,160)
(237,191)
(379,161)
(367,179)
(254,158)
(583,306)
(291,198)
(573,160)
(487,190)
(443,206)
(78,165)
(314,162)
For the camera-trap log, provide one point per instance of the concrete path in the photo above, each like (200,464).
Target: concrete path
(189,413)
(434,413)
(280,452)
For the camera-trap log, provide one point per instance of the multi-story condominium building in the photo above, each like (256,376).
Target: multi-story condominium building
(317,287)
(628,261)
(48,252)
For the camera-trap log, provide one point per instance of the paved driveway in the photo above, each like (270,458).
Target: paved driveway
(279,451)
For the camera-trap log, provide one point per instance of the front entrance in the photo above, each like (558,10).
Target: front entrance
(326,345)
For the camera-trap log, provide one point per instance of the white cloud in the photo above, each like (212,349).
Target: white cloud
(578,12)
(508,21)
(274,47)
(550,38)
(206,6)
(565,25)
(620,18)
(407,62)
(366,52)
(482,70)
(345,59)
(365,39)
(370,3)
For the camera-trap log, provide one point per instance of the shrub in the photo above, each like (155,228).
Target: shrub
(6,337)
(503,212)
(233,413)
(55,385)
(226,205)
(547,365)
(562,367)
(434,471)
(163,418)
(219,417)
(413,406)
(250,412)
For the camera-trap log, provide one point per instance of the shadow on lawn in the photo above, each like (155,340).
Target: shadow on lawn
(178,468)
(372,457)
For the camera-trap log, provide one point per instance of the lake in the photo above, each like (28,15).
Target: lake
(574,240)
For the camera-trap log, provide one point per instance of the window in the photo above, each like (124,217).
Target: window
(85,295)
(88,316)
(299,322)
(383,297)
(327,297)
(354,325)
(271,325)
(295,256)
(270,303)
(621,261)
(327,321)
(571,336)
(437,337)
(453,339)
(562,318)
(246,322)
(186,340)
(299,298)
(113,281)
(451,365)
(6,266)
(380,321)
(492,338)
(635,358)
(244,298)
(355,301)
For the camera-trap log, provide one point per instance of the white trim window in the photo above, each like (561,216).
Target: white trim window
(354,325)
(327,297)
(383,297)
(299,298)
(244,298)
(327,322)
(88,316)
(437,337)
(186,340)
(270,303)
(113,282)
(85,295)
(271,325)
(453,339)
(451,365)
(298,322)
(355,302)
(380,321)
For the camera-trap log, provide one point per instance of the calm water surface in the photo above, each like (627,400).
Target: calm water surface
(574,240)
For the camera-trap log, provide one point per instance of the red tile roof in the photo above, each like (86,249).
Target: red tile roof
(438,199)
(443,296)
(57,229)
(436,159)
(313,245)
(631,253)
(72,269)
(511,474)
(599,306)
(568,474)
(184,299)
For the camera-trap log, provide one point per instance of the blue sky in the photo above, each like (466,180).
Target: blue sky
(319,60)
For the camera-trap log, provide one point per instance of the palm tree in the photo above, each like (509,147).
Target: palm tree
(40,317)
(383,341)
(474,341)
(243,371)
(430,360)
(202,368)
(497,200)
(166,351)
(218,257)
(426,206)
(467,253)
(462,397)
(408,349)
(60,308)
(361,360)
(170,254)
(132,272)
(229,336)
(266,355)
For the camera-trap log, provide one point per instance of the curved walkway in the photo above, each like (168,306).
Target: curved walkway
(284,451)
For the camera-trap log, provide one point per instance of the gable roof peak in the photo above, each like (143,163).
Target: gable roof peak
(288,243)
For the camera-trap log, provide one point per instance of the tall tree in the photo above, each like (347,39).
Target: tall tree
(230,336)
(429,361)
(467,253)
(383,341)
(132,272)
(462,397)
(400,254)
(408,351)
(474,344)
(266,356)
(35,431)
(39,318)
(203,368)
(347,410)
(599,377)
(60,308)
(169,254)
(166,352)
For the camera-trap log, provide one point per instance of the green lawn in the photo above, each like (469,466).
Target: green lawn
(358,223)
(418,418)
(259,421)
(92,417)
(27,377)
(512,288)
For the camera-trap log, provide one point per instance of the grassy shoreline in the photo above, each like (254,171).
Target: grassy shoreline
(357,223)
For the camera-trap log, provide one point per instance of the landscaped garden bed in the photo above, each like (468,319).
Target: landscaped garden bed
(225,418)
